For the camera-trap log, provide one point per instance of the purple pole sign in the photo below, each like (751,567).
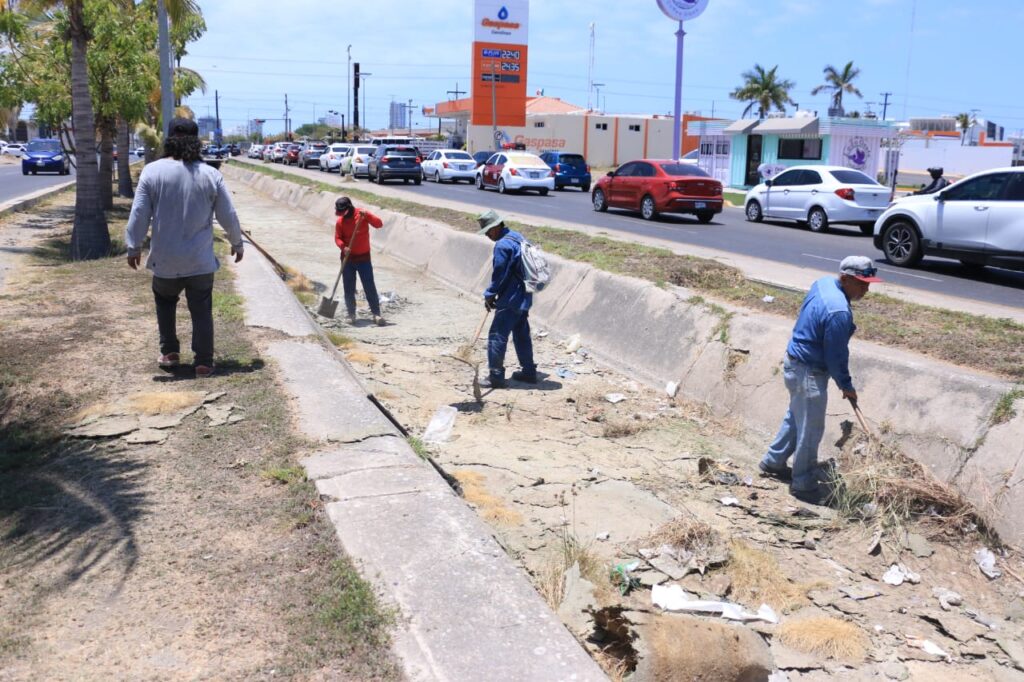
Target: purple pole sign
(680,10)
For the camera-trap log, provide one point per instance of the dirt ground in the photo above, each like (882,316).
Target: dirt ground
(190,548)
(585,466)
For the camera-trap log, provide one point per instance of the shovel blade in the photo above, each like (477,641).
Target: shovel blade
(328,306)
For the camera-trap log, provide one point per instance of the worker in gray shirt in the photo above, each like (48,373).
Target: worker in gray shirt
(179,195)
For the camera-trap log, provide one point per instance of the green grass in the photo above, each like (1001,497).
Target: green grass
(339,340)
(285,474)
(737,198)
(1004,411)
(418,447)
(986,343)
(228,306)
(349,606)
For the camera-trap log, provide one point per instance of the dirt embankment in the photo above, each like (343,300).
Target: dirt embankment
(604,490)
(171,535)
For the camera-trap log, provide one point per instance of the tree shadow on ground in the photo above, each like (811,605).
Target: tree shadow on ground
(74,504)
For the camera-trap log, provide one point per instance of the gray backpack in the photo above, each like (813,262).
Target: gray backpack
(536,271)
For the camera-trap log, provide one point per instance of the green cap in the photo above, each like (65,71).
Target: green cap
(488,219)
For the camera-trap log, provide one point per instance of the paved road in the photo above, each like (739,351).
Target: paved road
(730,232)
(13,184)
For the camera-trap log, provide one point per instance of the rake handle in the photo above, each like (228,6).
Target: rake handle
(480,328)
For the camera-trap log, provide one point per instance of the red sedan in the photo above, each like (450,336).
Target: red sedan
(654,186)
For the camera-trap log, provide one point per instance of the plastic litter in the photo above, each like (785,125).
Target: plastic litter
(947,598)
(573,343)
(565,373)
(541,335)
(928,646)
(674,598)
(768,298)
(729,501)
(603,537)
(898,574)
(439,430)
(986,561)
(614,398)
(672,388)
(622,574)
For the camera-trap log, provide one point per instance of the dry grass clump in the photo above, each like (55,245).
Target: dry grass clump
(877,480)
(361,357)
(491,508)
(757,578)
(684,532)
(297,281)
(150,402)
(823,636)
(551,577)
(684,648)
(623,428)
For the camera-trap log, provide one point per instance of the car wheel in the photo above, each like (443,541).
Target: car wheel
(380,178)
(35,173)
(600,202)
(754,213)
(480,182)
(437,177)
(585,188)
(817,220)
(501,186)
(901,244)
(867,229)
(705,216)
(647,208)
(417,181)
(405,181)
(24,172)
(543,191)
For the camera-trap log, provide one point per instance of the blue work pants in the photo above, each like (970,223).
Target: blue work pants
(803,425)
(348,281)
(517,323)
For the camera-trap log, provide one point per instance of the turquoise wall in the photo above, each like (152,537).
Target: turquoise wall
(769,154)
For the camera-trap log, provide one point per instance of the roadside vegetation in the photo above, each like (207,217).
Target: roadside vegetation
(994,345)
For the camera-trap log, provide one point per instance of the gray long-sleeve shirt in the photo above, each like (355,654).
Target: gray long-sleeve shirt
(180,199)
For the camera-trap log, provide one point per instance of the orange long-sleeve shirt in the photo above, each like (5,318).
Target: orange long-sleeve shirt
(360,245)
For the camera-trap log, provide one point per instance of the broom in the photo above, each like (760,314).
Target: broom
(465,352)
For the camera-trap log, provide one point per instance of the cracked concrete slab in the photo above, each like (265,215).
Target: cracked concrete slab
(378,482)
(373,453)
(267,302)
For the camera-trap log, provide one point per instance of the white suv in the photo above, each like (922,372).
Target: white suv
(979,221)
(819,196)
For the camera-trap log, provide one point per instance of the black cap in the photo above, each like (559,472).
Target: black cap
(343,205)
(183,126)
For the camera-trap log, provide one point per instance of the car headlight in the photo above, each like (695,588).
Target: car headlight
(59,157)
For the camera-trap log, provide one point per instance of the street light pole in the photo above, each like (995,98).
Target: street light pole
(166,84)
(597,99)
(677,127)
(348,85)
(362,78)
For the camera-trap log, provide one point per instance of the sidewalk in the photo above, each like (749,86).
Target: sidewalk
(465,610)
(779,274)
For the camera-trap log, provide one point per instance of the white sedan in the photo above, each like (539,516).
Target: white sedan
(357,161)
(819,196)
(513,171)
(16,149)
(449,165)
(330,160)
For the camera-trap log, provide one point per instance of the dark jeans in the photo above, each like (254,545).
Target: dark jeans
(348,280)
(199,294)
(517,323)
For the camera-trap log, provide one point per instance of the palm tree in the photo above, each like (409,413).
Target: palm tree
(764,90)
(839,82)
(964,122)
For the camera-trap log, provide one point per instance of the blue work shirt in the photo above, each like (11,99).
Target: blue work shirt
(507,275)
(821,337)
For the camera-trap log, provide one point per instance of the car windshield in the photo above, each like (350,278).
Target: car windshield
(572,160)
(44,146)
(684,170)
(852,177)
(462,156)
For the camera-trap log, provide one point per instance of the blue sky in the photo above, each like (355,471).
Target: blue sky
(962,55)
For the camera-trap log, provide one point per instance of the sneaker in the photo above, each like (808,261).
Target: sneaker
(204,371)
(524,377)
(816,496)
(351,318)
(493,382)
(784,474)
(378,320)
(168,361)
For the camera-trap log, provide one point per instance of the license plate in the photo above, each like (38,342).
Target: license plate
(574,181)
(464,166)
(534,175)
(40,162)
(700,204)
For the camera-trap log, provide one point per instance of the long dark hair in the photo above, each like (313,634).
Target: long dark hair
(185,148)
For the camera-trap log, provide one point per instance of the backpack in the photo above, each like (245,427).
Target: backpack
(536,271)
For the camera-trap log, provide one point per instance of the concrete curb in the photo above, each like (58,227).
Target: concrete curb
(466,611)
(730,359)
(25,202)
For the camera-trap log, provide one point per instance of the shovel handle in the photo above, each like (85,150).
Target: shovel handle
(348,252)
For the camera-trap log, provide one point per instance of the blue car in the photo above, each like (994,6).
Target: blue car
(45,156)
(571,170)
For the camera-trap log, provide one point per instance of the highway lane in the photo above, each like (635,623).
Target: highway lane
(730,232)
(13,184)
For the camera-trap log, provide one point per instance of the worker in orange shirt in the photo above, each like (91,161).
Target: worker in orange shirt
(352,234)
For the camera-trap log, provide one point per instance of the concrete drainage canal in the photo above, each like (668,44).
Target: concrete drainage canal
(640,518)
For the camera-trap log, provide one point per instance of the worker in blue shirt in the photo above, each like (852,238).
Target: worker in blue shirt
(819,349)
(508,298)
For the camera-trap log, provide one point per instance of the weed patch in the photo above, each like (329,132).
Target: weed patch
(286,475)
(757,578)
(418,446)
(824,636)
(1004,411)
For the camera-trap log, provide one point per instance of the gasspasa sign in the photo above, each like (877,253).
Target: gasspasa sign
(502,21)
(499,62)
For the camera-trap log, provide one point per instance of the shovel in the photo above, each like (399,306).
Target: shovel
(329,306)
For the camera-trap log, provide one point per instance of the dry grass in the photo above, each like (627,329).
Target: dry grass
(685,533)
(684,649)
(297,281)
(823,636)
(757,578)
(623,428)
(491,508)
(897,490)
(150,402)
(551,578)
(361,357)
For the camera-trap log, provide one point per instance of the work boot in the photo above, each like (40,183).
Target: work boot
(784,474)
(816,496)
(494,381)
(169,361)
(352,318)
(378,320)
(524,376)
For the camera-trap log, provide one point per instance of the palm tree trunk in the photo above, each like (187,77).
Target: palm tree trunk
(124,171)
(107,130)
(90,238)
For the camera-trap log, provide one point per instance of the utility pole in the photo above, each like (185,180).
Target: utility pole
(409,106)
(348,88)
(355,97)
(597,99)
(287,120)
(217,133)
(166,81)
(363,77)
(590,68)
(885,103)
(456,92)
(494,108)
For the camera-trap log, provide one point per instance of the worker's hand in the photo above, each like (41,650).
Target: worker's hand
(851,396)
(236,253)
(342,255)
(133,261)
(490,302)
